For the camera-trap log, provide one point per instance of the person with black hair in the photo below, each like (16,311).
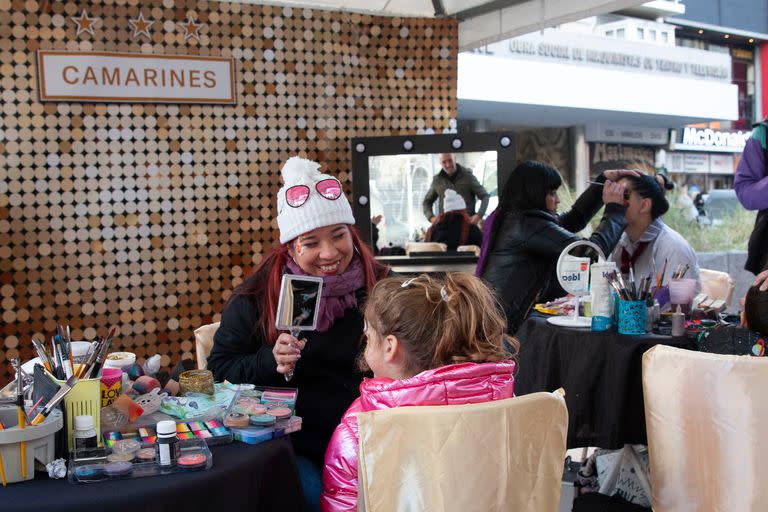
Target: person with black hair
(747,339)
(526,234)
(647,243)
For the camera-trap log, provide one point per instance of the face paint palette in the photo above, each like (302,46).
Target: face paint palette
(116,463)
(269,413)
(277,402)
(213,432)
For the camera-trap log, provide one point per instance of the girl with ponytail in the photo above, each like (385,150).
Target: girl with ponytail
(430,341)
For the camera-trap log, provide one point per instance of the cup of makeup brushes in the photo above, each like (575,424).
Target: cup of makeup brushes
(632,317)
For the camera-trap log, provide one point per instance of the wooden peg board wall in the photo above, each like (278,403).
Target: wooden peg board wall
(145,216)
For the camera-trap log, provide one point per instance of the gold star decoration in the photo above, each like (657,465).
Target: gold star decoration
(141,26)
(84,23)
(191,29)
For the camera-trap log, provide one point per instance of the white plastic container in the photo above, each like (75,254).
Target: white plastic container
(40,445)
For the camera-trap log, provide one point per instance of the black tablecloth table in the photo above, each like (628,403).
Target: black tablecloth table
(601,373)
(243,477)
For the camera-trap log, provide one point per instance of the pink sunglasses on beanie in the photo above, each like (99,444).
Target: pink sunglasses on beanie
(297,195)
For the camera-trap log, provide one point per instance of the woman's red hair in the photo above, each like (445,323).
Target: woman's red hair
(465,223)
(264,287)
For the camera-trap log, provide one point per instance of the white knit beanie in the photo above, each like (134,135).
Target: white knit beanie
(317,211)
(452,201)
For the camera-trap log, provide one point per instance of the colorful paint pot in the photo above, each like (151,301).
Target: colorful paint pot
(191,461)
(90,472)
(236,419)
(145,455)
(263,420)
(116,469)
(280,413)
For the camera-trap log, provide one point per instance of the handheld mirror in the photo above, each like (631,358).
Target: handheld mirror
(298,306)
(573,276)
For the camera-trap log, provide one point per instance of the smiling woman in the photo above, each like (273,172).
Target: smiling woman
(317,238)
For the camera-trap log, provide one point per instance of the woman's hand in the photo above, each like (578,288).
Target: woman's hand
(613,192)
(287,351)
(762,280)
(617,174)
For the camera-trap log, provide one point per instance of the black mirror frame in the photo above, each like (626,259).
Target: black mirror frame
(364,147)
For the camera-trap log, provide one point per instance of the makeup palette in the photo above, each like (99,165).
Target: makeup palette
(111,464)
(214,432)
(260,414)
(255,434)
(277,402)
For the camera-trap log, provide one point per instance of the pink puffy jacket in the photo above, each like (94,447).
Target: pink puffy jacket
(465,383)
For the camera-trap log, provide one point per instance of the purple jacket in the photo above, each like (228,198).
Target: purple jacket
(751,181)
(487,227)
(465,383)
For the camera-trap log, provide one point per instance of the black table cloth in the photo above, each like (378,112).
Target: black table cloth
(243,477)
(601,373)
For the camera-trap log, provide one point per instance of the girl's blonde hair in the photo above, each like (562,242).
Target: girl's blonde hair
(440,321)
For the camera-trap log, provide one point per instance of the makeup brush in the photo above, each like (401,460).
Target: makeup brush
(21,415)
(2,470)
(42,354)
(663,272)
(69,350)
(54,401)
(96,368)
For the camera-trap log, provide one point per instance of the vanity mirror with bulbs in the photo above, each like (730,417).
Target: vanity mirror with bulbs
(390,180)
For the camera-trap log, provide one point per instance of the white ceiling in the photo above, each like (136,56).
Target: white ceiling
(480,21)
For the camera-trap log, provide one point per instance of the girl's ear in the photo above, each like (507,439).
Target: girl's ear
(391,348)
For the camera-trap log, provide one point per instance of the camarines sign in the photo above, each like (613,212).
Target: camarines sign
(129,77)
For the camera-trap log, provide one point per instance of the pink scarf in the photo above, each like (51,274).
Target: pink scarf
(338,291)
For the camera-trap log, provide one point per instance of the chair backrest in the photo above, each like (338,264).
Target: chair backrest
(717,285)
(706,418)
(469,248)
(502,455)
(204,343)
(425,247)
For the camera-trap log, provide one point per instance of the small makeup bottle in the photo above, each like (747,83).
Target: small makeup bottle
(167,443)
(84,435)
(678,322)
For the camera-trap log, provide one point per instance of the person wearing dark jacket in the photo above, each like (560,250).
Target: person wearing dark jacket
(317,239)
(456,177)
(747,339)
(527,235)
(453,228)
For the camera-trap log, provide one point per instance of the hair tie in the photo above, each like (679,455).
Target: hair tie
(444,294)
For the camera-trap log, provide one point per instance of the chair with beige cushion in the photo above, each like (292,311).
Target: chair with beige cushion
(706,417)
(502,455)
(425,247)
(469,248)
(204,343)
(717,285)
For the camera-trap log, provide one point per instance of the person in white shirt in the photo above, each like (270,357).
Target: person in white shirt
(647,242)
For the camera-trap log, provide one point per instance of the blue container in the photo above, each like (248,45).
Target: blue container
(601,323)
(632,316)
